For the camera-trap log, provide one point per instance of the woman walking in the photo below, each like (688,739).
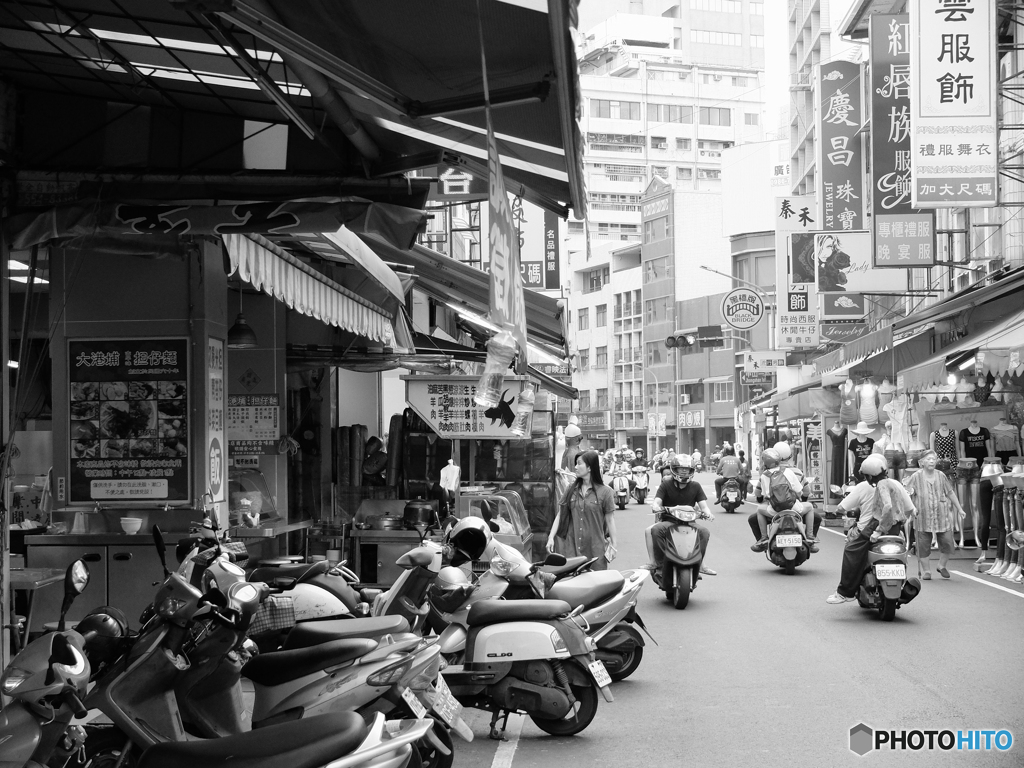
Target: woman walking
(585,521)
(936,503)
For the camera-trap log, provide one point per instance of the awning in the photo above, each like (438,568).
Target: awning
(450,281)
(300,287)
(1010,283)
(933,371)
(854,352)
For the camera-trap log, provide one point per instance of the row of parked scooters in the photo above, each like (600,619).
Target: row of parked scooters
(339,675)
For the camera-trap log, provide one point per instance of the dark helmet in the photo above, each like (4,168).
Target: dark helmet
(105,630)
(682,468)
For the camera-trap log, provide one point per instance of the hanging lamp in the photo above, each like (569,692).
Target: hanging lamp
(241,335)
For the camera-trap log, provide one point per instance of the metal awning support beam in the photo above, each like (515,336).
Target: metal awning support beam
(501,97)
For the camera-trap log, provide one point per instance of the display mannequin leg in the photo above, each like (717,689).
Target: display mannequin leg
(965,501)
(1014,559)
(994,499)
(1003,552)
(979,526)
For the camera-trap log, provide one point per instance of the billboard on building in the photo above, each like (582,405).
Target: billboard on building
(840,160)
(797,314)
(903,235)
(953,103)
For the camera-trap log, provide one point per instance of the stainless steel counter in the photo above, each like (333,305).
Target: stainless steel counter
(101,539)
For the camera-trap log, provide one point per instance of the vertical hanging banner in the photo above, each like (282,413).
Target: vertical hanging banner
(840,177)
(552,269)
(953,103)
(797,298)
(903,235)
(507,302)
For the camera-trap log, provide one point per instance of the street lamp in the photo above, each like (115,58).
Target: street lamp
(769,303)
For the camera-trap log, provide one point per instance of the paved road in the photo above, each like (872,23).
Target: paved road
(759,670)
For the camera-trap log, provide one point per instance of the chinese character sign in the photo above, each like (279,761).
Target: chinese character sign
(552,268)
(447,405)
(797,295)
(840,178)
(215,428)
(253,424)
(128,420)
(903,235)
(953,103)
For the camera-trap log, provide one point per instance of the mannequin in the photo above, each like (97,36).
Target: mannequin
(1005,441)
(860,448)
(848,403)
(981,390)
(885,441)
(885,393)
(976,442)
(868,409)
(943,441)
(837,435)
(897,410)
(965,392)
(997,390)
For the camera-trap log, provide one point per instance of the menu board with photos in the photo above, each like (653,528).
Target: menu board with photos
(128,420)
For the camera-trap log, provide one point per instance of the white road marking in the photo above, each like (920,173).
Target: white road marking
(837,533)
(990,584)
(507,749)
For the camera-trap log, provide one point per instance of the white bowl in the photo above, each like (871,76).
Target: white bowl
(131,524)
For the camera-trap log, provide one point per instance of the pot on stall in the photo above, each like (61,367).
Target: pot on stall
(420,513)
(384,523)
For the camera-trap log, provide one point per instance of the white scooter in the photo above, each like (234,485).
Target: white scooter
(620,486)
(641,479)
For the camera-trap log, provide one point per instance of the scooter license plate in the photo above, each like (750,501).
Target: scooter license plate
(789,540)
(601,676)
(445,704)
(896,571)
(732,496)
(417,708)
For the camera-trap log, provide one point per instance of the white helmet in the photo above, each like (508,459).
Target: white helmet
(469,538)
(784,451)
(874,467)
(572,431)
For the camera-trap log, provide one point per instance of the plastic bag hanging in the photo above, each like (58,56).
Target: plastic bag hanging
(524,412)
(501,350)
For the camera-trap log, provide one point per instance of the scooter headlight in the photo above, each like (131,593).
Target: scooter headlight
(558,642)
(502,567)
(14,678)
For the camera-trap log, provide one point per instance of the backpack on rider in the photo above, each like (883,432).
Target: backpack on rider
(781,494)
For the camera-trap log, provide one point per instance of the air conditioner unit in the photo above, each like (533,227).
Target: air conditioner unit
(684,399)
(717,78)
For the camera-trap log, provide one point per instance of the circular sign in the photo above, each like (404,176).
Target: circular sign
(216,468)
(742,308)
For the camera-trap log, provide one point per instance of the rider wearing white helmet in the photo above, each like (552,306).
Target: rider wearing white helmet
(679,490)
(884,505)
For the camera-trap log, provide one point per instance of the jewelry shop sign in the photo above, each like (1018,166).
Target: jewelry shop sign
(128,420)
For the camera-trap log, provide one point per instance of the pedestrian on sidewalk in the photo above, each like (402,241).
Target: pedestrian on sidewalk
(938,511)
(585,521)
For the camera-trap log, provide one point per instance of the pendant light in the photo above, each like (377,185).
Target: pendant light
(241,335)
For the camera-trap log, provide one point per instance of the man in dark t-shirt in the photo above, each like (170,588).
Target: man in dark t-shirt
(675,491)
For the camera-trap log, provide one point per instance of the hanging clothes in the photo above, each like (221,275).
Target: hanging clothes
(897,412)
(839,456)
(886,391)
(1004,436)
(861,450)
(848,404)
(450,477)
(868,409)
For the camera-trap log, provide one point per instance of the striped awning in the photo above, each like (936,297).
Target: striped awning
(277,273)
(855,351)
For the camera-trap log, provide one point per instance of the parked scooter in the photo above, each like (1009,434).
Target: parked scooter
(642,479)
(46,683)
(731,496)
(681,571)
(884,585)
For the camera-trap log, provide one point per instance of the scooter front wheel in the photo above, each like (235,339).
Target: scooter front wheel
(579,717)
(622,504)
(681,588)
(103,748)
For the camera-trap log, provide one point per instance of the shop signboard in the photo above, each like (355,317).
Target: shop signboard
(457,185)
(755,377)
(953,103)
(843,331)
(130,438)
(840,160)
(652,424)
(843,306)
(814,462)
(594,420)
(533,274)
(216,480)
(903,235)
(447,405)
(552,266)
(253,424)
(763,361)
(662,419)
(797,324)
(691,419)
(742,308)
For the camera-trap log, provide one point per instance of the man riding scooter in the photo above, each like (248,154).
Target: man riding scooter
(772,462)
(676,491)
(728,468)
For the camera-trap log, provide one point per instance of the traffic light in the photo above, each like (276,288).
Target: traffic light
(681,340)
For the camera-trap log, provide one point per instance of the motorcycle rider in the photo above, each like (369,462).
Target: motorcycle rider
(696,458)
(675,491)
(882,503)
(728,468)
(772,462)
(638,458)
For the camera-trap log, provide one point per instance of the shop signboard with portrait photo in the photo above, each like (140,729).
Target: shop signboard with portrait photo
(129,432)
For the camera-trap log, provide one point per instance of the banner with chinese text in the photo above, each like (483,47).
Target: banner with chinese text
(797,313)
(552,267)
(903,235)
(840,160)
(953,103)
(216,450)
(253,424)
(129,426)
(446,404)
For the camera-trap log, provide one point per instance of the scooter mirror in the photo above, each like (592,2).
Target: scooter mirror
(493,526)
(76,579)
(161,548)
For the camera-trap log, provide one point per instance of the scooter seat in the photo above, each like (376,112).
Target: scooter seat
(309,633)
(571,564)
(498,611)
(284,666)
(587,588)
(307,743)
(279,575)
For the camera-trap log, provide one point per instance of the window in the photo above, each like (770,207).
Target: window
(659,142)
(659,310)
(624,172)
(656,353)
(709,173)
(684,174)
(756,8)
(715,116)
(583,320)
(602,399)
(719,6)
(715,38)
(596,280)
(750,118)
(661,171)
(601,316)
(722,392)
(584,359)
(757,41)
(584,399)
(669,113)
(734,340)
(695,391)
(616,110)
(601,358)
(576,227)
(739,82)
(658,394)
(658,269)
(615,142)
(656,229)
(682,145)
(605,201)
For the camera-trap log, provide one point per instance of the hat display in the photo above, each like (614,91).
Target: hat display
(862,428)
